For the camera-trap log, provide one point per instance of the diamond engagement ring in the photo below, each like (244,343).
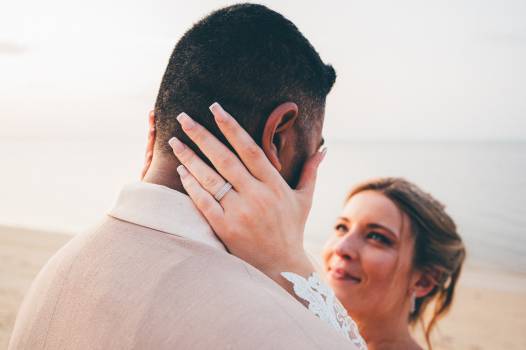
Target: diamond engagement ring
(222,191)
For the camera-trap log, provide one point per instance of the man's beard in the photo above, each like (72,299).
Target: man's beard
(300,157)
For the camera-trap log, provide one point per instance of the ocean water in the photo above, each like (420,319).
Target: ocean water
(483,186)
(67,185)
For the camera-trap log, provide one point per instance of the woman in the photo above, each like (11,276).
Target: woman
(394,250)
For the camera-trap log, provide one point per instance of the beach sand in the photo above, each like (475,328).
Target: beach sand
(489,311)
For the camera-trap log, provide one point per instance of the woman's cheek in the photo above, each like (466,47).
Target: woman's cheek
(378,265)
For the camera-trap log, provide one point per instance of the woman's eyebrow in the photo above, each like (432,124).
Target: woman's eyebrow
(375,225)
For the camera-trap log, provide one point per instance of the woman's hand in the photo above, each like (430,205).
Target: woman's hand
(261,219)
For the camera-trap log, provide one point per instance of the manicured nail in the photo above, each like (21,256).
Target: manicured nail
(176,145)
(185,120)
(219,113)
(182,170)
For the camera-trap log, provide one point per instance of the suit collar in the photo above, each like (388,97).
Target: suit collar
(163,209)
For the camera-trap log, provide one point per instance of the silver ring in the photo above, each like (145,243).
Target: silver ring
(222,191)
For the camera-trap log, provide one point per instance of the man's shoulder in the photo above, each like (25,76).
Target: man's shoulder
(196,284)
(230,300)
(167,291)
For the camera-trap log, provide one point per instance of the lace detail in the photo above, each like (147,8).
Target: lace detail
(324,304)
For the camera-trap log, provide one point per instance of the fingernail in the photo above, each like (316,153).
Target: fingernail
(176,145)
(185,120)
(182,170)
(219,113)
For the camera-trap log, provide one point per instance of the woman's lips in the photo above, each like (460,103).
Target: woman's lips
(340,274)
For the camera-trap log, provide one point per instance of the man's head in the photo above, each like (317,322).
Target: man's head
(262,70)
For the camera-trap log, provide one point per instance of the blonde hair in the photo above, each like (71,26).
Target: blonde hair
(438,248)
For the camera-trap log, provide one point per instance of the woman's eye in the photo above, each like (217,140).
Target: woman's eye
(379,238)
(341,228)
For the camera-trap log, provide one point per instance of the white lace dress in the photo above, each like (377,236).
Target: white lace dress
(324,304)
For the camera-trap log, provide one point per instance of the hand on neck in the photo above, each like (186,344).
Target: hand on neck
(163,171)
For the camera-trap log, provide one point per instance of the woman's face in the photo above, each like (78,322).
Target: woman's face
(368,257)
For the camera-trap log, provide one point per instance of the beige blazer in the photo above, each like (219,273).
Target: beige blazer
(153,275)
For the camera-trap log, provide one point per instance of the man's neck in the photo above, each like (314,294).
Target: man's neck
(163,171)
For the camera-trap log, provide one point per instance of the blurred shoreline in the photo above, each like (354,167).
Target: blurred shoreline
(70,183)
(489,311)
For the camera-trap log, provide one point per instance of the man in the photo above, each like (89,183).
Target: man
(153,275)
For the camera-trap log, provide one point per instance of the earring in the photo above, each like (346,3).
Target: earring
(413,302)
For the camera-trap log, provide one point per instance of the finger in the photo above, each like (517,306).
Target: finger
(225,161)
(207,177)
(203,200)
(248,150)
(307,181)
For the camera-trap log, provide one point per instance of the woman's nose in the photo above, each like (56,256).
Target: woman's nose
(346,247)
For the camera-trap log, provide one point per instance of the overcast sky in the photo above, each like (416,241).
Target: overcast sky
(406,69)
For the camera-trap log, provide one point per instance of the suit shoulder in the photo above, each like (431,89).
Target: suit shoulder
(224,294)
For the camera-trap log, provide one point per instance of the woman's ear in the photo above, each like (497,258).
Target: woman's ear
(150,143)
(277,131)
(425,282)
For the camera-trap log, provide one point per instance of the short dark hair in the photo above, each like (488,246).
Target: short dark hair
(249,59)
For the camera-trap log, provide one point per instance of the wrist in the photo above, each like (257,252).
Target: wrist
(298,263)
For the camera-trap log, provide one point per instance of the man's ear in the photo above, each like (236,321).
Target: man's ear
(277,131)
(150,143)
